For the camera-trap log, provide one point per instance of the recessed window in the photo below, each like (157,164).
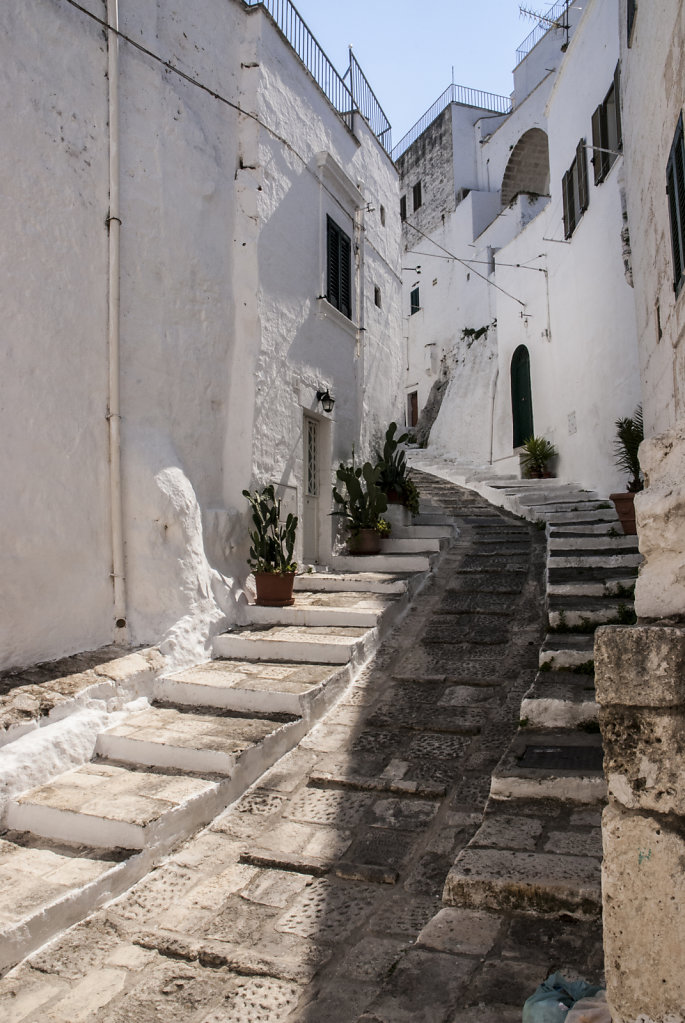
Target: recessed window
(338,268)
(414,303)
(403,208)
(607,138)
(412,408)
(675,186)
(631,11)
(377,296)
(575,191)
(382,215)
(417,195)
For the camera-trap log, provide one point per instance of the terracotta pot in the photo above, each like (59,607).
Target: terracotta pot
(625,509)
(274,589)
(394,497)
(366,541)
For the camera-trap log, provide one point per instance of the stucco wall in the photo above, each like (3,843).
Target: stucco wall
(225,338)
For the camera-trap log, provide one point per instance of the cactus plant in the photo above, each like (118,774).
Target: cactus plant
(272,542)
(365,502)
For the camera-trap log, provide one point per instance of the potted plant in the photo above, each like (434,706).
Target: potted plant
(271,550)
(362,507)
(537,452)
(394,481)
(630,433)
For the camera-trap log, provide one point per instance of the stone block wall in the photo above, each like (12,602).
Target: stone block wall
(640,681)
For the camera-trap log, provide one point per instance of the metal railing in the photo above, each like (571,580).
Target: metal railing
(367,104)
(453,94)
(554,14)
(358,95)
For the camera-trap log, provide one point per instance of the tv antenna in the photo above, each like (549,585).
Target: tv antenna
(561,21)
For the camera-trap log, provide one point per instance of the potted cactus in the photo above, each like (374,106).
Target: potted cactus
(361,506)
(394,481)
(271,550)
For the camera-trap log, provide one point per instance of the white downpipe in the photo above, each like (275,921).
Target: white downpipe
(114,412)
(493,395)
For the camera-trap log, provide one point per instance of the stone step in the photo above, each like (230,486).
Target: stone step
(592,559)
(573,529)
(348,582)
(567,649)
(355,608)
(576,611)
(607,576)
(193,741)
(586,516)
(418,532)
(382,563)
(561,764)
(48,886)
(560,699)
(607,545)
(561,498)
(116,806)
(262,687)
(430,517)
(514,483)
(411,545)
(578,588)
(316,644)
(547,863)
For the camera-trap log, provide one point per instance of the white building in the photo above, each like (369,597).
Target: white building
(198,239)
(524,298)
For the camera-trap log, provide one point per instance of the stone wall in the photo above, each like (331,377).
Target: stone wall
(640,680)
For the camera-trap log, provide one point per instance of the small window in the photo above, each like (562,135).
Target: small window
(675,187)
(403,208)
(607,138)
(414,304)
(382,215)
(377,296)
(412,408)
(631,11)
(338,268)
(417,195)
(575,190)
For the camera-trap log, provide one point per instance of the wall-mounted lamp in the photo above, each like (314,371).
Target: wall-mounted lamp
(326,399)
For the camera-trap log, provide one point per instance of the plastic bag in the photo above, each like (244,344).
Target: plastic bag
(553,999)
(590,1010)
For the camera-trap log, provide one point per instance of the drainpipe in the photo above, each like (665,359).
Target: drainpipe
(113,410)
(492,413)
(361,329)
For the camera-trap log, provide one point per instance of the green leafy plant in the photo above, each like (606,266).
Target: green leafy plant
(537,453)
(392,463)
(630,433)
(272,542)
(363,501)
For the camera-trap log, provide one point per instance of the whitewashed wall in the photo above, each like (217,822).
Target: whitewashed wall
(224,339)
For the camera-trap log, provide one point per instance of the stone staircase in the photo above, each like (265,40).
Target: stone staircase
(539,847)
(153,756)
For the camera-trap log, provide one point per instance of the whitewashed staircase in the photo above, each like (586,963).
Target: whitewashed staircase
(205,734)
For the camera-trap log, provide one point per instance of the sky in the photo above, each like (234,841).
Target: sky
(407,47)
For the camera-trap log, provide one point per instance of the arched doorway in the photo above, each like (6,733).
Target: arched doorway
(521,397)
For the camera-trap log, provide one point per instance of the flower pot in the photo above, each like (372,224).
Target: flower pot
(274,589)
(394,496)
(366,541)
(625,509)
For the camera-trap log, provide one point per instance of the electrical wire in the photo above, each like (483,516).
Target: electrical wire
(482,262)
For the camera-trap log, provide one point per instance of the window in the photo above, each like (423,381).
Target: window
(412,408)
(403,208)
(414,304)
(606,130)
(631,11)
(382,215)
(338,270)
(675,187)
(574,190)
(377,296)
(417,195)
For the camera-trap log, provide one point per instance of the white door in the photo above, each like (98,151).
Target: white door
(310,524)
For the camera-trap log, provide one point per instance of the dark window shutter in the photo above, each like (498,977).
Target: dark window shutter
(581,170)
(417,195)
(567,205)
(631,11)
(617,101)
(675,181)
(345,275)
(333,263)
(597,144)
(403,208)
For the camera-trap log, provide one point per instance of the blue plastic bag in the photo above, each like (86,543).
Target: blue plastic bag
(554,998)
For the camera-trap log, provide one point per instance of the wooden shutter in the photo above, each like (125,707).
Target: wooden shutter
(568,206)
(597,144)
(332,263)
(617,101)
(581,171)
(345,275)
(403,208)
(631,10)
(675,186)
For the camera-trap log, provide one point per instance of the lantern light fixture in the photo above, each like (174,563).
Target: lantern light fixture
(327,400)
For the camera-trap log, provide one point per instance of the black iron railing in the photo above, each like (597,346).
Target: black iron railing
(453,94)
(346,93)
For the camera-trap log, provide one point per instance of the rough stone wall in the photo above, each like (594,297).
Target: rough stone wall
(430,161)
(640,681)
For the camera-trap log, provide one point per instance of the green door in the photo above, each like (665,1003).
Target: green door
(521,398)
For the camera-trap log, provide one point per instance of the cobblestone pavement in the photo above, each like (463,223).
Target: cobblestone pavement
(317,897)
